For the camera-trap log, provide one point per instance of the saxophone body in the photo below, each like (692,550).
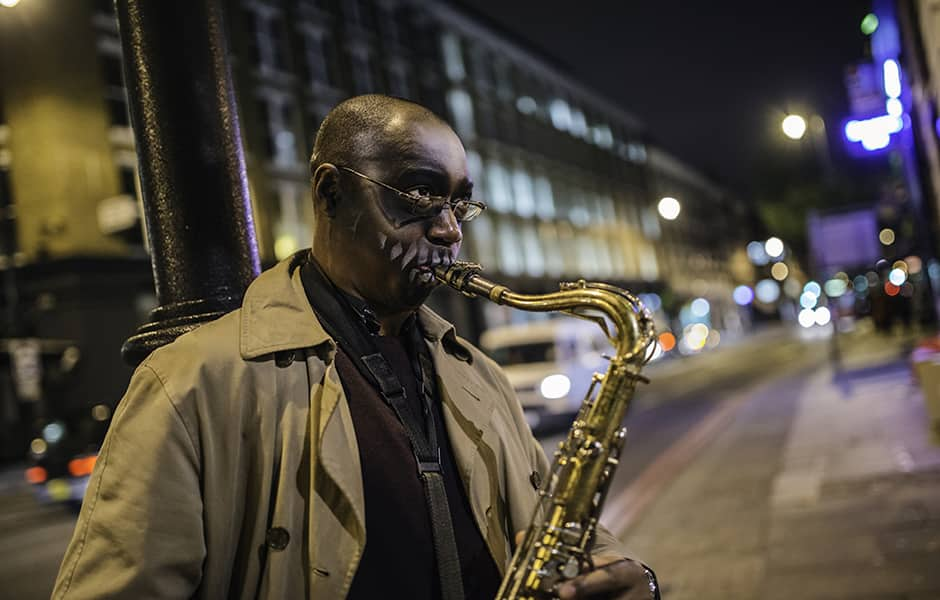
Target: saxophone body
(557,544)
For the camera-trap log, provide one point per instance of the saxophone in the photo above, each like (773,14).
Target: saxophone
(558,541)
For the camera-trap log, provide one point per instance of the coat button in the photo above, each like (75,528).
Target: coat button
(535,479)
(284,359)
(277,538)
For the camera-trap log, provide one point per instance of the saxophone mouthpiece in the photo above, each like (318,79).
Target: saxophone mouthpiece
(457,275)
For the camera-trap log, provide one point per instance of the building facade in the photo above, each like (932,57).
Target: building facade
(571,179)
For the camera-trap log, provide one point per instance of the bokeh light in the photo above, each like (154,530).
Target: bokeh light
(713,339)
(695,335)
(743,295)
(779,271)
(773,247)
(914,265)
(652,301)
(907,290)
(891,289)
(38,446)
(669,208)
(667,341)
(897,276)
(767,291)
(869,24)
(860,283)
(793,287)
(808,300)
(757,254)
(700,307)
(794,127)
(822,315)
(835,288)
(53,432)
(813,288)
(886,236)
(806,317)
(9,3)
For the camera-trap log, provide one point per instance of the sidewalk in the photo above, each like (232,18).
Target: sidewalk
(819,487)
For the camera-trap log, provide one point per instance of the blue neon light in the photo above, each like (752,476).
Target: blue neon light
(874,134)
(892,77)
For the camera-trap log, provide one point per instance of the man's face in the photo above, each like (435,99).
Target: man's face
(389,251)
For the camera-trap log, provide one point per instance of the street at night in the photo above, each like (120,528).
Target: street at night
(758,463)
(287,287)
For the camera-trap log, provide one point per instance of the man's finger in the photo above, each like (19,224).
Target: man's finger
(609,576)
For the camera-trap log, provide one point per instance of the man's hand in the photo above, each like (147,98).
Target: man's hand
(613,577)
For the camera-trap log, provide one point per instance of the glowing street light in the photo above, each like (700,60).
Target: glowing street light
(669,208)
(773,247)
(794,127)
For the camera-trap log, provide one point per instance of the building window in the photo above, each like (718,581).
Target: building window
(532,250)
(479,63)
(586,256)
(560,114)
(510,252)
(292,230)
(453,57)
(497,182)
(504,88)
(267,41)
(6,191)
(128,180)
(578,124)
(461,110)
(544,198)
(358,13)
(398,81)
(117,109)
(554,261)
(361,68)
(522,192)
(277,118)
(388,23)
(475,167)
(115,94)
(317,56)
(483,240)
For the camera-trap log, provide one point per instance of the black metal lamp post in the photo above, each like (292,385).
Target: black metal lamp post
(192,168)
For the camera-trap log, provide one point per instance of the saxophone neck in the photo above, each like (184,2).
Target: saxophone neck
(600,303)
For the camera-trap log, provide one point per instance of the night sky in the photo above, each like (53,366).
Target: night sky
(711,80)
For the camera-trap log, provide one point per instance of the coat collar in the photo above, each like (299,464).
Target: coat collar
(277,316)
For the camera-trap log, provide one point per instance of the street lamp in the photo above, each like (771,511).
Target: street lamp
(794,127)
(669,208)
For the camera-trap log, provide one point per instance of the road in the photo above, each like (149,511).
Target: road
(682,394)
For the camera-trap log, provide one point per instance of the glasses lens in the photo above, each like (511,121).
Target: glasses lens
(466,211)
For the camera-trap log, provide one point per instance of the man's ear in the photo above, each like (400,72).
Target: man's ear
(325,187)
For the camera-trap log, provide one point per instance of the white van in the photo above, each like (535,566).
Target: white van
(549,363)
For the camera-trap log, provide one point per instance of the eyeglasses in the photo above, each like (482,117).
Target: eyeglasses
(423,204)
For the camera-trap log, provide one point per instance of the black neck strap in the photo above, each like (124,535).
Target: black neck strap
(354,326)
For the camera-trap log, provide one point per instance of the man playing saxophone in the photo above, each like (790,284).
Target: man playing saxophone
(333,438)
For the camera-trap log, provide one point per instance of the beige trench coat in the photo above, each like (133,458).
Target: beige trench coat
(231,468)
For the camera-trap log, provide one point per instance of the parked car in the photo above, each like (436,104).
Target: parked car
(550,364)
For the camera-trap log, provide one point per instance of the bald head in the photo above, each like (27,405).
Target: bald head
(362,127)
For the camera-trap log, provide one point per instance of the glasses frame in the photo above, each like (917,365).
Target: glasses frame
(440,201)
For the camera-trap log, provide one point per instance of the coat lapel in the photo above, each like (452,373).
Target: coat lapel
(468,412)
(337,473)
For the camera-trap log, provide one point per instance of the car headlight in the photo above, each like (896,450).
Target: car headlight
(555,386)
